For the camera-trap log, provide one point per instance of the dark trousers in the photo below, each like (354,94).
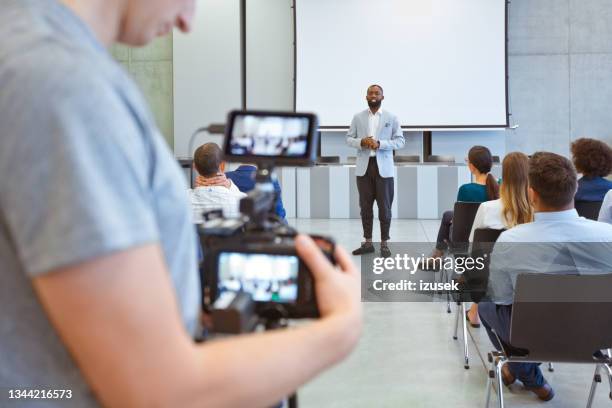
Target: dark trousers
(372,187)
(444,233)
(498,318)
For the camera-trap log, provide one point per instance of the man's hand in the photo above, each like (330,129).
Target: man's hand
(219,180)
(369,143)
(337,288)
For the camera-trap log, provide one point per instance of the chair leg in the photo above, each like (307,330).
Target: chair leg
(457,317)
(609,368)
(466,356)
(500,384)
(551,368)
(596,379)
(490,380)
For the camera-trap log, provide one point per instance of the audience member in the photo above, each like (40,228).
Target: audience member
(483,188)
(605,212)
(244,178)
(511,209)
(593,159)
(556,244)
(225,196)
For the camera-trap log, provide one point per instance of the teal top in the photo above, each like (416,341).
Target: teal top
(473,192)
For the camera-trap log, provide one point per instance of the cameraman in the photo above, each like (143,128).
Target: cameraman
(99,292)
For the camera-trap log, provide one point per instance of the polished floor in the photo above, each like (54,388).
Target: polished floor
(407,357)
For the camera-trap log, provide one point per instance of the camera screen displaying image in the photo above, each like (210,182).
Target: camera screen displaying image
(271,137)
(268,278)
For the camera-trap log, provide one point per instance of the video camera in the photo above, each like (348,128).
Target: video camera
(251,269)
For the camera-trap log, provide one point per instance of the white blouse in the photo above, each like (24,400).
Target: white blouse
(489,215)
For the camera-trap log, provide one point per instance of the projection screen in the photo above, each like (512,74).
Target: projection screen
(442,63)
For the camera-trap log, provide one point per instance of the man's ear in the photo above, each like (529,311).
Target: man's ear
(222,167)
(534,198)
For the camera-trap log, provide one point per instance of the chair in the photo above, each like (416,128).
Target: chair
(476,283)
(463,218)
(407,159)
(564,318)
(440,159)
(328,160)
(588,209)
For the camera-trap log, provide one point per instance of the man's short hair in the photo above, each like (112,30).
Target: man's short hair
(553,177)
(207,159)
(378,86)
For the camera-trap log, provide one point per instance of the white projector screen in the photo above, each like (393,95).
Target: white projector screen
(442,63)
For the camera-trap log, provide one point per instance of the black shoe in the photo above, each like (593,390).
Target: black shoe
(385,252)
(365,248)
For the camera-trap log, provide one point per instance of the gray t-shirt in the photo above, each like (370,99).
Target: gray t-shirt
(83,173)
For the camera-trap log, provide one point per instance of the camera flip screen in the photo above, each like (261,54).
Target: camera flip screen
(270,136)
(281,138)
(268,278)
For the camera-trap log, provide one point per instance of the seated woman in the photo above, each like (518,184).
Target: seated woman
(483,188)
(512,208)
(593,159)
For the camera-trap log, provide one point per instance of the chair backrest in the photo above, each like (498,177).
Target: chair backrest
(565,318)
(463,218)
(477,279)
(588,209)
(440,159)
(328,160)
(407,159)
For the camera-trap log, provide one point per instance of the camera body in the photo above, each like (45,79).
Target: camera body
(255,254)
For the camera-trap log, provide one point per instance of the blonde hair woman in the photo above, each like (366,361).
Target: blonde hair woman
(511,209)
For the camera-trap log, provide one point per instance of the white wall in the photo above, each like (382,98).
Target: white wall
(269,54)
(206,71)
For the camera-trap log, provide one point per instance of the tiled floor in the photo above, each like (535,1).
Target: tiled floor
(407,358)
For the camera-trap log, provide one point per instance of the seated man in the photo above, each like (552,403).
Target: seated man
(208,161)
(556,239)
(244,178)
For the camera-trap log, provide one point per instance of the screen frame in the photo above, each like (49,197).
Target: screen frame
(420,126)
(306,160)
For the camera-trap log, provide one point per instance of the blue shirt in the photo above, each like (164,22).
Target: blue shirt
(473,192)
(592,189)
(85,173)
(244,178)
(555,242)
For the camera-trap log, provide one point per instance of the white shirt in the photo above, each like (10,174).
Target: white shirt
(555,242)
(373,123)
(489,215)
(605,213)
(210,198)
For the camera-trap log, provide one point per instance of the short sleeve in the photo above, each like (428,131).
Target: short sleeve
(75,175)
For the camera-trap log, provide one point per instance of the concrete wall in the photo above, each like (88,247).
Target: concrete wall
(151,67)
(560,72)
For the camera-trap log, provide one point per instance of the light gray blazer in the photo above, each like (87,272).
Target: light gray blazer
(389,134)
